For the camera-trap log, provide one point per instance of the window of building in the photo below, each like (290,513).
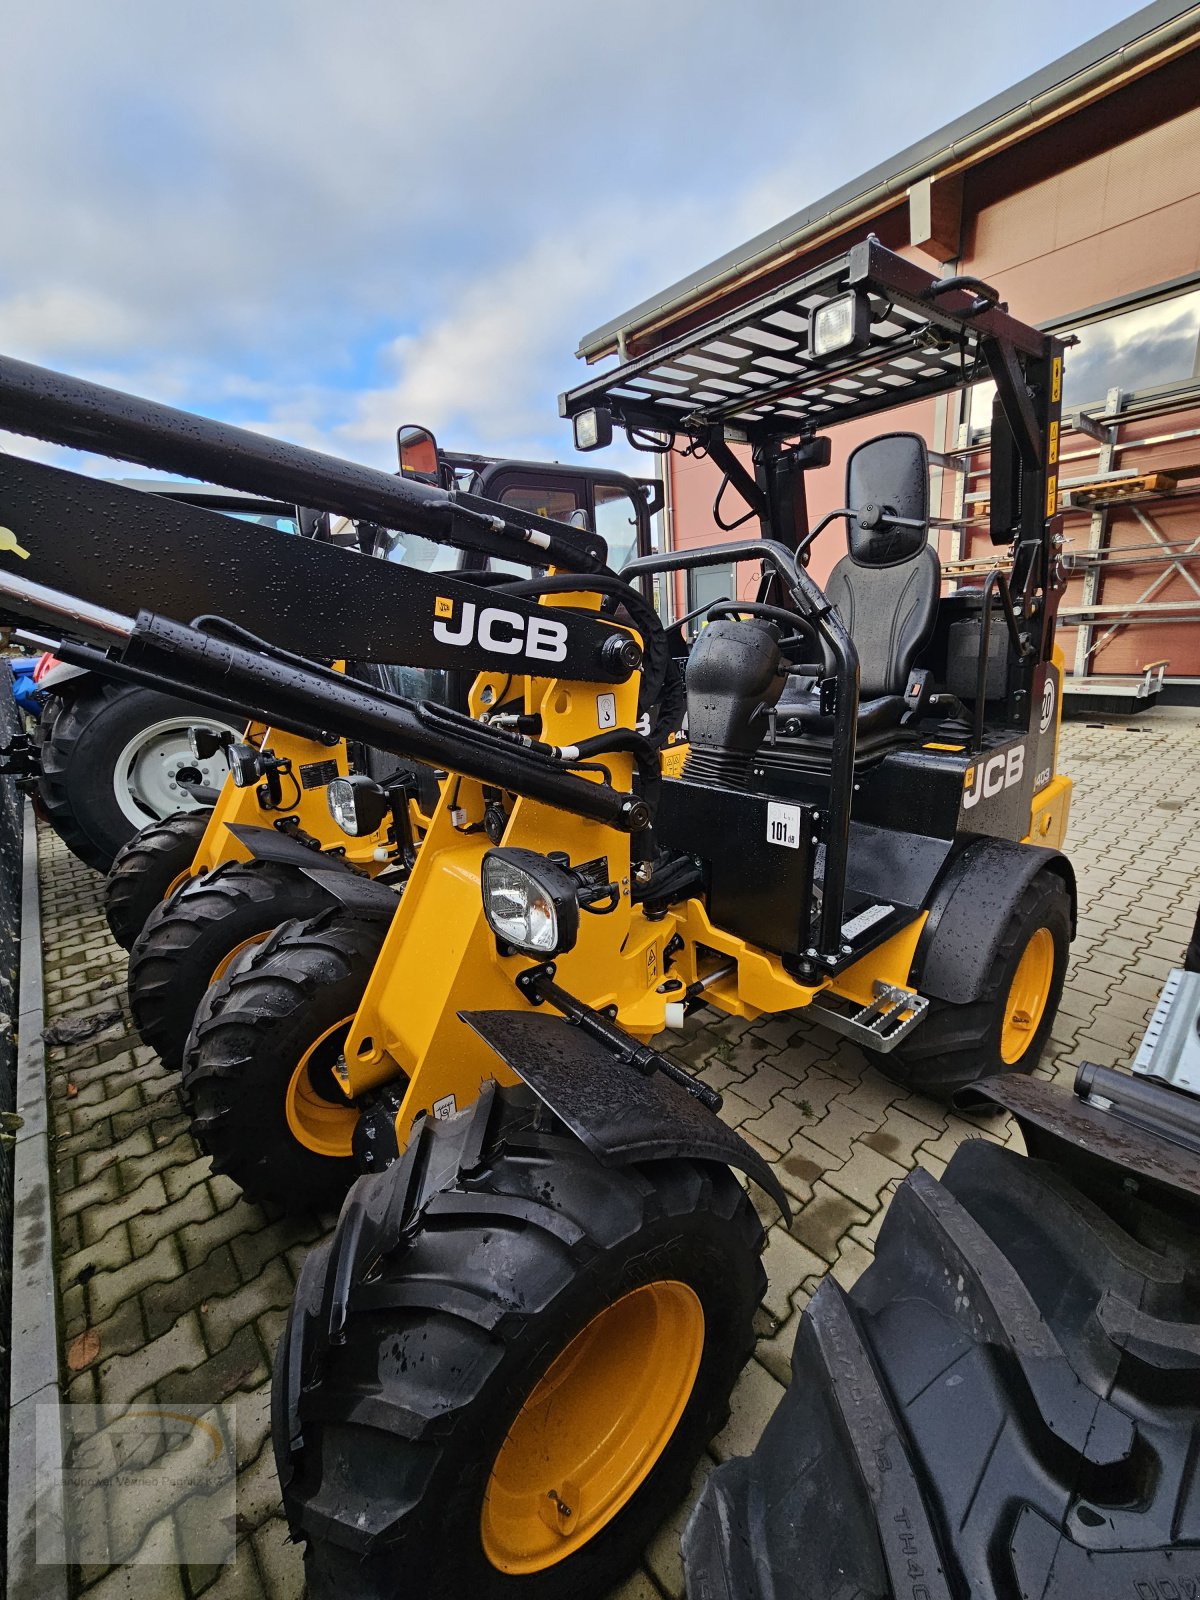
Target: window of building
(1150,346)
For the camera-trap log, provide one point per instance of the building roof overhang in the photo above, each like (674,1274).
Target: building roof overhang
(1150,37)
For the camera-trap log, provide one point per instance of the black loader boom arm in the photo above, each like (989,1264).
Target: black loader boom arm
(307,698)
(87,416)
(341,605)
(100,542)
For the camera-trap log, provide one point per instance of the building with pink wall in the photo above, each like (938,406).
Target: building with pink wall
(1077,195)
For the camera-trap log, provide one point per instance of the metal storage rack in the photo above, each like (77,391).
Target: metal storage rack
(1110,485)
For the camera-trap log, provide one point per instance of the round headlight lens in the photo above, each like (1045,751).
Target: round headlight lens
(339,796)
(517,908)
(529,901)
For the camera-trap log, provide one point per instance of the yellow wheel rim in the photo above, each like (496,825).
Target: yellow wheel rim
(223,966)
(319,1124)
(1027,996)
(593,1428)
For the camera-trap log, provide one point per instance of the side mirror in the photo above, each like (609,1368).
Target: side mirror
(312,524)
(418,452)
(887,484)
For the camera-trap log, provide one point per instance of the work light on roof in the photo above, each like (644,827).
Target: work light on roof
(840,324)
(593,429)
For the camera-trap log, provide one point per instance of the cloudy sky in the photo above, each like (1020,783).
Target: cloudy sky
(322,219)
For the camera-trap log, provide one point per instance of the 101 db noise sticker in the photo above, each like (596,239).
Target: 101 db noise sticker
(783,824)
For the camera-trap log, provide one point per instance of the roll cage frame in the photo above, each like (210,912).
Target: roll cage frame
(749,376)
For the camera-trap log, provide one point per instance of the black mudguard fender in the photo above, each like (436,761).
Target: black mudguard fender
(968,912)
(1122,1129)
(361,895)
(372,1221)
(621,1114)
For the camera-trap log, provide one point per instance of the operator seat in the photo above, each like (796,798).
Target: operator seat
(885,588)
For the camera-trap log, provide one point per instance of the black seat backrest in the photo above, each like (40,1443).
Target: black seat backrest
(886,588)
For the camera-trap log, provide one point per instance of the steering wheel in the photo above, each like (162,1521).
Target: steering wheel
(802,628)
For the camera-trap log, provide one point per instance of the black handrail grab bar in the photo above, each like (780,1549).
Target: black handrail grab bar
(996,579)
(811,601)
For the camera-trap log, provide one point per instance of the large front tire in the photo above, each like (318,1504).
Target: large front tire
(147,868)
(531,1352)
(257,1071)
(112,759)
(1004,1029)
(189,940)
(1005,1404)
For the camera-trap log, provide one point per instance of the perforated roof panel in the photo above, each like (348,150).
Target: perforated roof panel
(752,370)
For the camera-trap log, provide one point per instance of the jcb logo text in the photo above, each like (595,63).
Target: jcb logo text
(998,772)
(506,633)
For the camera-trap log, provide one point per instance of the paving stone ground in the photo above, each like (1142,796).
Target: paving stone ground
(187,1285)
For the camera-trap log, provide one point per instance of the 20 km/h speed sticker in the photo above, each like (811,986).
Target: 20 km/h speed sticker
(784,824)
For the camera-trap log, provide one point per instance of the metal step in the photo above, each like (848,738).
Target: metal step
(891,1016)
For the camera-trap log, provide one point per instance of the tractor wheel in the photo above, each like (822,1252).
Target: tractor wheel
(145,871)
(112,758)
(499,1375)
(257,1073)
(1005,1028)
(1005,1404)
(188,941)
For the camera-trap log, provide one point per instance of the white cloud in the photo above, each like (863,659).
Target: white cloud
(325,220)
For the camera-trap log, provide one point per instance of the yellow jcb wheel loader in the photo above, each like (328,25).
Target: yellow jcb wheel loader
(530,1317)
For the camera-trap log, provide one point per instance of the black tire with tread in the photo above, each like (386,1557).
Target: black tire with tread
(145,868)
(454,1280)
(80,742)
(186,938)
(1003,1406)
(249,1034)
(956,1045)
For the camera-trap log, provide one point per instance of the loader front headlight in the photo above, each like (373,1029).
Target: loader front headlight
(204,743)
(530,902)
(358,805)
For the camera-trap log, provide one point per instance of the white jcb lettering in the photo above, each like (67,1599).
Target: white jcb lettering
(491,618)
(445,634)
(547,639)
(505,633)
(1001,771)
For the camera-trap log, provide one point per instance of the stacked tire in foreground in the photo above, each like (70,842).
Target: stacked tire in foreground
(498,1375)
(1005,1406)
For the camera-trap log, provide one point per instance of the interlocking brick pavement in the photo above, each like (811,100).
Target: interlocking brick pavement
(187,1284)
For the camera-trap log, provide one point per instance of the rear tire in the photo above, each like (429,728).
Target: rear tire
(1004,1404)
(422,1340)
(957,1044)
(289,1004)
(187,939)
(85,797)
(147,868)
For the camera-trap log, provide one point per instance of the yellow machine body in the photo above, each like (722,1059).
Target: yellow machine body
(242,807)
(441,956)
